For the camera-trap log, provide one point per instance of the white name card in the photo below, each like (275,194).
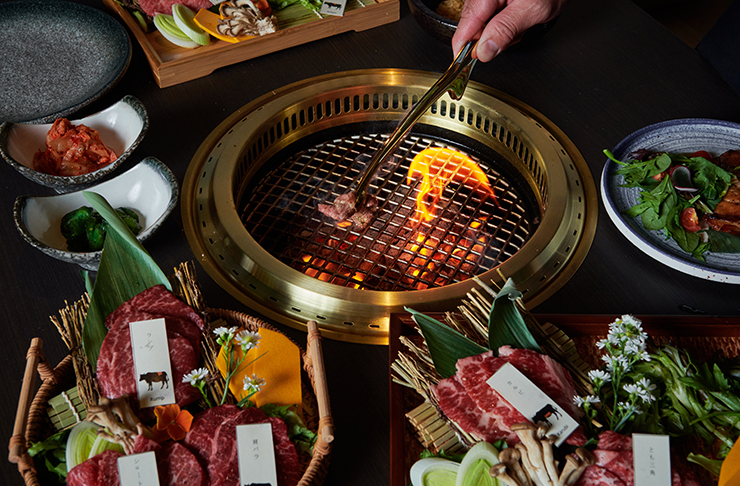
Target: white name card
(532,402)
(256,455)
(138,470)
(652,459)
(152,363)
(333,7)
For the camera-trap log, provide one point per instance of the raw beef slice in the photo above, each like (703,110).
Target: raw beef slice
(466,413)
(100,470)
(615,465)
(494,416)
(116,375)
(177,466)
(212,439)
(153,7)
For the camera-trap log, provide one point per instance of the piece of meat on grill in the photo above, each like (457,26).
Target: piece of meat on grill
(345,209)
(726,216)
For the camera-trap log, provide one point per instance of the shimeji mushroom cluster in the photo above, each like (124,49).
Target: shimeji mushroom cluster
(532,461)
(241,17)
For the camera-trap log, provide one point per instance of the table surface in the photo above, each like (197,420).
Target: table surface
(604,70)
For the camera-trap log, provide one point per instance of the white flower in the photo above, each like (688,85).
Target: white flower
(618,363)
(196,376)
(247,340)
(599,375)
(225,333)
(601,343)
(253,384)
(631,388)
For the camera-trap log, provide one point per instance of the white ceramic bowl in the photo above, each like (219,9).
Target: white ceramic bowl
(122,127)
(149,188)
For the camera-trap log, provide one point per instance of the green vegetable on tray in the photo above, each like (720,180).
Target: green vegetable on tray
(676,190)
(85,229)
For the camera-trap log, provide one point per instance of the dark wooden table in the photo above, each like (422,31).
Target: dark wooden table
(603,71)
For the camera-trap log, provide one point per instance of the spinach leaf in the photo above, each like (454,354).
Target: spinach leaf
(689,242)
(721,242)
(711,180)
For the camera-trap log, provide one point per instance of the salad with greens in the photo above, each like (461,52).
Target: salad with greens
(678,192)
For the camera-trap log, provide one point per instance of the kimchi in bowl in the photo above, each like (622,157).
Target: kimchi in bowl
(105,140)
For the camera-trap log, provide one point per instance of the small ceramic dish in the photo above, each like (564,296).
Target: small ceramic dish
(149,188)
(122,127)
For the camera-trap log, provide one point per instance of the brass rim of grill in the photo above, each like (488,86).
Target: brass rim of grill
(217,188)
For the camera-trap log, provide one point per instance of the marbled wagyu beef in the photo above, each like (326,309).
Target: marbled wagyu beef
(212,438)
(478,409)
(115,371)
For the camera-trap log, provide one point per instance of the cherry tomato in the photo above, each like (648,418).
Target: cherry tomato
(264,7)
(702,153)
(689,220)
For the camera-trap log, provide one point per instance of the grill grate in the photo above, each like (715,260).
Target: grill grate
(470,234)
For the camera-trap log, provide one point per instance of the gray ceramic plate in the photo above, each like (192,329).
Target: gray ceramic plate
(685,135)
(57,57)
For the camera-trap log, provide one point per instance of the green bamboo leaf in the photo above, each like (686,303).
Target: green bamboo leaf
(506,326)
(125,270)
(446,345)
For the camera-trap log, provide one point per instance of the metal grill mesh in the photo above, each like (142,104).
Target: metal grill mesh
(470,234)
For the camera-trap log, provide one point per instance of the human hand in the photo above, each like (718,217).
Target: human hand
(500,23)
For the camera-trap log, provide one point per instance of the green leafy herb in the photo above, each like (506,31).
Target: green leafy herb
(506,325)
(53,451)
(701,185)
(125,270)
(298,433)
(446,345)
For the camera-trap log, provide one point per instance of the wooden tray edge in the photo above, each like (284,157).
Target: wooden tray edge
(220,54)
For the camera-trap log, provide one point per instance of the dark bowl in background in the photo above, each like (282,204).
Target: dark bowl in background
(442,28)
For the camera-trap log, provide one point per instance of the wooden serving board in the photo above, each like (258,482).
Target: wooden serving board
(699,335)
(173,65)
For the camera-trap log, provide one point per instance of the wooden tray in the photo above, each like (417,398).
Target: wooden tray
(173,65)
(700,335)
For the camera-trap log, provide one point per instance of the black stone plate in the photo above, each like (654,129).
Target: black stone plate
(57,57)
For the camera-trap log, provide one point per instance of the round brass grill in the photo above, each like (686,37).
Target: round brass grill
(471,233)
(251,192)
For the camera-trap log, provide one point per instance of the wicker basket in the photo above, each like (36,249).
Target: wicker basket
(32,423)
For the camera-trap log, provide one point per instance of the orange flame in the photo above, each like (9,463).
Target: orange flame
(438,166)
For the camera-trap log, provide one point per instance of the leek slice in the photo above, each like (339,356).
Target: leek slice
(101,445)
(166,26)
(80,442)
(475,466)
(434,471)
(184,19)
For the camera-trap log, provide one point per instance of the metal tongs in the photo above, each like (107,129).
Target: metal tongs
(453,81)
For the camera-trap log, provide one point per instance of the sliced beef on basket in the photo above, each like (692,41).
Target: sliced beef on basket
(615,465)
(495,413)
(212,439)
(116,374)
(100,470)
(466,413)
(156,302)
(177,466)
